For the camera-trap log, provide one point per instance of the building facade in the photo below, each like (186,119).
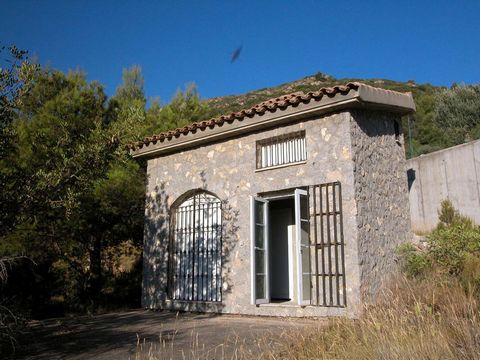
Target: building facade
(291,208)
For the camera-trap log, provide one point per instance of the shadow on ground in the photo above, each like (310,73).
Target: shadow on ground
(143,334)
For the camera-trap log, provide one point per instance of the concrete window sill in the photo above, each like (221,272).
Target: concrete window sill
(281,166)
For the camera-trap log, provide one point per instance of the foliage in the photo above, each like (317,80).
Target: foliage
(457,112)
(184,108)
(413,260)
(15,80)
(454,239)
(75,188)
(453,248)
(75,196)
(132,86)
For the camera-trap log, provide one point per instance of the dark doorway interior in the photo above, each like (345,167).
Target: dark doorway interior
(281,215)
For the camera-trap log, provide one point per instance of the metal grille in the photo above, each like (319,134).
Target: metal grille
(281,150)
(327,245)
(195,264)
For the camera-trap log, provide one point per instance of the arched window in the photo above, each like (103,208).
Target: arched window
(195,263)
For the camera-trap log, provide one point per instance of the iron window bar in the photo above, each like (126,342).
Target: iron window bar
(281,150)
(327,245)
(195,256)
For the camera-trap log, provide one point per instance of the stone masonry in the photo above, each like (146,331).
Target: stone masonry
(381,194)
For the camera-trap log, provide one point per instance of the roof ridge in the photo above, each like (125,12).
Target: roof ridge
(270,105)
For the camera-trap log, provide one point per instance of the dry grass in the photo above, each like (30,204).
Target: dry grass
(235,347)
(431,319)
(414,319)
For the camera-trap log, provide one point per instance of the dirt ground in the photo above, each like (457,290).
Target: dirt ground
(143,334)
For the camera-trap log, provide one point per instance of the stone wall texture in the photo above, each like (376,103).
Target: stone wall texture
(381,193)
(370,168)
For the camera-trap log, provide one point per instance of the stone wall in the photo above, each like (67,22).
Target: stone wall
(381,195)
(228,170)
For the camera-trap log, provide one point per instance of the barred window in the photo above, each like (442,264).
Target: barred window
(281,150)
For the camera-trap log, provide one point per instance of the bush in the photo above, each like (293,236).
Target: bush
(413,260)
(450,246)
(453,247)
(454,240)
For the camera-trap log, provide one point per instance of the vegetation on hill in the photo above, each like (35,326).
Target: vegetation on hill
(444,117)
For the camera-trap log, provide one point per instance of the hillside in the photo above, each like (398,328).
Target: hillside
(422,128)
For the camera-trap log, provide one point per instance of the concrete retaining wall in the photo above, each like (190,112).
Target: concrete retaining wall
(452,174)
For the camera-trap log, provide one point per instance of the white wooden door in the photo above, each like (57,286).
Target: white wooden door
(302,226)
(259,251)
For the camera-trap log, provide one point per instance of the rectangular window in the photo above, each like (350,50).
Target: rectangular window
(281,150)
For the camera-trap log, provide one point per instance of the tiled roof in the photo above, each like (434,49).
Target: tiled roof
(271,105)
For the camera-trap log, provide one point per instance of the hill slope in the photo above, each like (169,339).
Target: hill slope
(422,129)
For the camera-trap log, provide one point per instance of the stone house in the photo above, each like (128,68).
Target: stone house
(291,208)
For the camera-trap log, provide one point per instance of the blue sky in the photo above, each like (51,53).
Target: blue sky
(176,42)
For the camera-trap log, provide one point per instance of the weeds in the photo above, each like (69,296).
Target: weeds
(414,319)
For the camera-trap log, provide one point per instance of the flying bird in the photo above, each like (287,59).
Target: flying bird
(236,53)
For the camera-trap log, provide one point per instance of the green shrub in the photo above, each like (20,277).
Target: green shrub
(450,246)
(455,238)
(448,216)
(413,261)
(453,248)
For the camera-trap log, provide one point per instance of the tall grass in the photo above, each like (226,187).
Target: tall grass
(431,318)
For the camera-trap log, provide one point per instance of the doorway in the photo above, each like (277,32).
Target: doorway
(280,249)
(281,220)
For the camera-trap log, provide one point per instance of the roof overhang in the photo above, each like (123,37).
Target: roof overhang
(364,97)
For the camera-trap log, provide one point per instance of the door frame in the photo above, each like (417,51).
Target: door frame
(296,192)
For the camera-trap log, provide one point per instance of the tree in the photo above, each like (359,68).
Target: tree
(457,113)
(15,81)
(132,86)
(73,190)
(126,109)
(427,136)
(78,189)
(185,107)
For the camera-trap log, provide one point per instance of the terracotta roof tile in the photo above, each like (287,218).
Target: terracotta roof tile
(271,105)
